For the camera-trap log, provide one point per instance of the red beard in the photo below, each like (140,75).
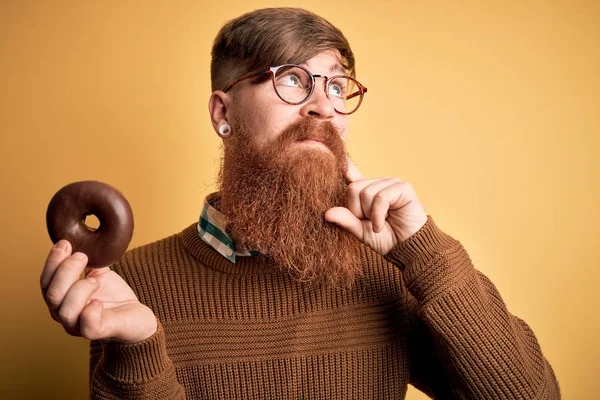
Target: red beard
(275,198)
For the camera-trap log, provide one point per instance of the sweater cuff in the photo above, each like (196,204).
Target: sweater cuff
(432,262)
(137,362)
(422,247)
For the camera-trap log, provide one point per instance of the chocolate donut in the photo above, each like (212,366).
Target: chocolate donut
(65,219)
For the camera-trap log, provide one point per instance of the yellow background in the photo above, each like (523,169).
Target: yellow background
(490,109)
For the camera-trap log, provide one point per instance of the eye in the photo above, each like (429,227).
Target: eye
(291,80)
(338,88)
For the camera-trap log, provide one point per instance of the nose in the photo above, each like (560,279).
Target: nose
(318,105)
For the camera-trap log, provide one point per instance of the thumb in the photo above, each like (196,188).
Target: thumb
(344,218)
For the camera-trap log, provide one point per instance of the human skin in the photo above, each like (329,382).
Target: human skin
(380,212)
(265,114)
(100,306)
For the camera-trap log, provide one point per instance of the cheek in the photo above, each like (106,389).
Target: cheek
(342,126)
(263,116)
(344,133)
(272,122)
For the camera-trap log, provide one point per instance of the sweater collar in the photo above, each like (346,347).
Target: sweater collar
(206,254)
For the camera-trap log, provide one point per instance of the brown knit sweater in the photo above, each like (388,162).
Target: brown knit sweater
(422,315)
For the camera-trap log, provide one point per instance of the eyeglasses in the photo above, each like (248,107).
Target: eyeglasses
(294,84)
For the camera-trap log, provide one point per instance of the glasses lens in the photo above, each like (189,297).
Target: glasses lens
(344,93)
(293,84)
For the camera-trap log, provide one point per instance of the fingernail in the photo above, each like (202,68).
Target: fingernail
(61,245)
(79,256)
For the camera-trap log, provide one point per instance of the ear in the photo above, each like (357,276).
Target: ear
(219,108)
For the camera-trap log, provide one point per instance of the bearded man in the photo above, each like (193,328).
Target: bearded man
(302,278)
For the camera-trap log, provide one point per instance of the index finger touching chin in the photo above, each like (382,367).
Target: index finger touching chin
(352,173)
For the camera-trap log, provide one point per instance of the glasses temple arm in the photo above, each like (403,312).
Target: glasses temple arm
(246,76)
(357,93)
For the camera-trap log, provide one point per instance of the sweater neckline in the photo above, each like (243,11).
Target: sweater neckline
(201,251)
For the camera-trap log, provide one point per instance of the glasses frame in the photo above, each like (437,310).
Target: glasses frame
(273,71)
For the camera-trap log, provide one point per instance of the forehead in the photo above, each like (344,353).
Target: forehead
(325,62)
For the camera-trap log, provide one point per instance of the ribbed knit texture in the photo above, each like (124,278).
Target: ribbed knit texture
(248,330)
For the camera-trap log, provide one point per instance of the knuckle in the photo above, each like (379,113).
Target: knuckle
(55,256)
(89,327)
(365,194)
(86,332)
(353,189)
(90,332)
(405,187)
(379,198)
(54,297)
(43,282)
(66,314)
(71,263)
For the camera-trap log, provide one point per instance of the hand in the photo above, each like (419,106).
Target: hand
(381,212)
(100,306)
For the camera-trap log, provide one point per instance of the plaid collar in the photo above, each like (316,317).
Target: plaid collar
(212,228)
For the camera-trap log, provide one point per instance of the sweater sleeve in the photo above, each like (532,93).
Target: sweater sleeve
(465,343)
(133,371)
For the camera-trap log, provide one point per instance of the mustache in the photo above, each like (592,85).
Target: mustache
(309,129)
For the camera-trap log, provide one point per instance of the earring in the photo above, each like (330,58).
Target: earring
(224,130)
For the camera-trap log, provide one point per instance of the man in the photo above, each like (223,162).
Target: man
(302,279)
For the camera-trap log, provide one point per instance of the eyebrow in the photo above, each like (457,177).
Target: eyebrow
(337,67)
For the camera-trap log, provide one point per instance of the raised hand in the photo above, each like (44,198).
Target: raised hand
(100,305)
(380,212)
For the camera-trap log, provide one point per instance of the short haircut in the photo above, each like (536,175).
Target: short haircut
(273,36)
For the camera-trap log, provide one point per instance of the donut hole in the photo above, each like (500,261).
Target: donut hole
(91,222)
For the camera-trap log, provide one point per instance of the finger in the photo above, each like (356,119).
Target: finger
(392,197)
(344,218)
(60,251)
(352,174)
(353,195)
(376,192)
(91,321)
(379,212)
(68,272)
(401,194)
(78,296)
